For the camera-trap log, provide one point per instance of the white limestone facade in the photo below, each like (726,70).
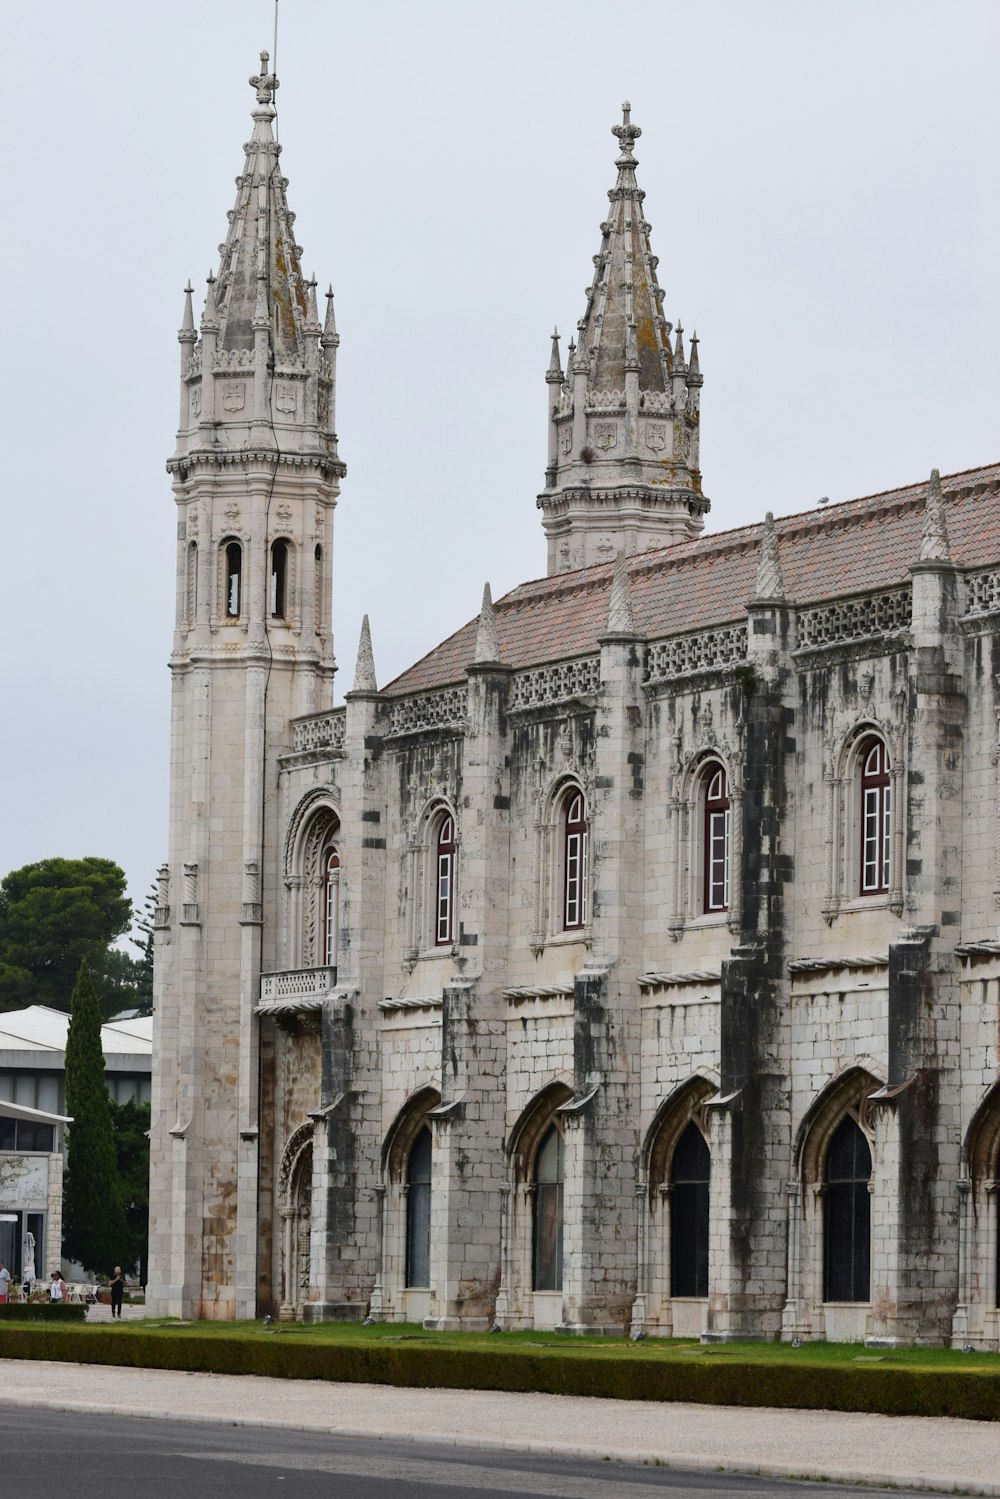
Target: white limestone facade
(632,962)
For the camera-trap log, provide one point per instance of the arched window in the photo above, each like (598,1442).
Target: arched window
(279,579)
(444,917)
(575,860)
(418,1210)
(234,579)
(716,839)
(876,817)
(847,1224)
(548,1212)
(331,906)
(689,1180)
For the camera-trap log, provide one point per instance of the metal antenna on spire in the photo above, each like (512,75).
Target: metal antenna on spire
(275,68)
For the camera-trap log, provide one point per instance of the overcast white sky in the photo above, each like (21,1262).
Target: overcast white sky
(822,182)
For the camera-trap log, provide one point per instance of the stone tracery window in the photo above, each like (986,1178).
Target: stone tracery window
(575,861)
(418,1210)
(233,579)
(279,579)
(444,882)
(716,838)
(547,1235)
(875,812)
(690,1174)
(330,903)
(847,1215)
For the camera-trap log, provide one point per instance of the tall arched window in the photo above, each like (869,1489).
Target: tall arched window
(192,582)
(331,906)
(847,1223)
(279,579)
(444,917)
(548,1212)
(418,1210)
(234,579)
(876,817)
(689,1181)
(575,860)
(716,839)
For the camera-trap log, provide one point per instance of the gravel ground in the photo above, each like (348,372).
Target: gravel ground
(910,1451)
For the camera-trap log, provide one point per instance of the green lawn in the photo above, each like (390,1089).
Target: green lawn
(834,1376)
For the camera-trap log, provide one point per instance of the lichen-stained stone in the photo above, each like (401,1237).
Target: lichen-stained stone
(543,986)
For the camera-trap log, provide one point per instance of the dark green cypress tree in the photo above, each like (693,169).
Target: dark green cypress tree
(94,1230)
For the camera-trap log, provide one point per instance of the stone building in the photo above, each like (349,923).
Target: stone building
(631,961)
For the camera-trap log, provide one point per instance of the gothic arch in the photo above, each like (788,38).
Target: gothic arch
(419,861)
(403,1132)
(682,1106)
(532,1123)
(298,1142)
(982,1140)
(847,1093)
(843,808)
(551,801)
(313,804)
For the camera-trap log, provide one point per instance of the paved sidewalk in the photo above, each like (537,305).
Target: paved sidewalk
(914,1452)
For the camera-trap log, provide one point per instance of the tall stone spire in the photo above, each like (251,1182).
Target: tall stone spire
(620,617)
(769,583)
(364,672)
(487,636)
(934,544)
(623,471)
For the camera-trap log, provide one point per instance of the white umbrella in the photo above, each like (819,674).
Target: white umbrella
(29,1258)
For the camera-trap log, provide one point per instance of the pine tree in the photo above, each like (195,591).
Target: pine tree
(94,1229)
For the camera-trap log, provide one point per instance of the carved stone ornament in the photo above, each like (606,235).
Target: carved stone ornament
(232,513)
(284,511)
(234,395)
(286,397)
(656,437)
(606,435)
(196,401)
(565,438)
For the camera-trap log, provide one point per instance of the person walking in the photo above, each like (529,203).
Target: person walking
(58,1289)
(117,1292)
(4,1283)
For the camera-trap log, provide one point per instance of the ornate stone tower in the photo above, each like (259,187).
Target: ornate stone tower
(622,468)
(255,477)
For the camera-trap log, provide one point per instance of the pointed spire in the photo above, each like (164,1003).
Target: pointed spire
(620,619)
(554,373)
(260,245)
(694,368)
(769,584)
(679,346)
(487,636)
(312,311)
(187,332)
(364,671)
(330,337)
(934,544)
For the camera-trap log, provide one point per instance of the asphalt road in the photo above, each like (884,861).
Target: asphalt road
(52,1454)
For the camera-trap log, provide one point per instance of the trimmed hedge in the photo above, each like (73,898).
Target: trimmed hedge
(42,1311)
(885,1390)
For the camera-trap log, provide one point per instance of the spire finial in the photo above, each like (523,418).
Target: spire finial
(264,82)
(187,322)
(620,620)
(330,324)
(364,671)
(487,636)
(934,544)
(769,582)
(627,134)
(555,366)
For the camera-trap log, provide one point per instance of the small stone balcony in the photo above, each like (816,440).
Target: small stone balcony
(295,992)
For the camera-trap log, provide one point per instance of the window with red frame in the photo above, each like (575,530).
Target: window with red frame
(717,836)
(575,839)
(444,921)
(876,818)
(331,906)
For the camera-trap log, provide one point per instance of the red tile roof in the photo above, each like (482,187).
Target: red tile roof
(864,544)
